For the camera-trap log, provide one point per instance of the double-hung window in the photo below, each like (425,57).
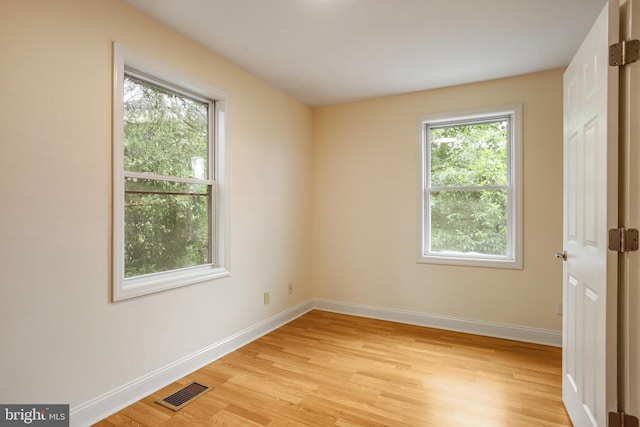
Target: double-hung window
(168,178)
(470,189)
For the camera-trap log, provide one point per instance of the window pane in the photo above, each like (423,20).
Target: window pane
(473,154)
(166,226)
(164,133)
(469,222)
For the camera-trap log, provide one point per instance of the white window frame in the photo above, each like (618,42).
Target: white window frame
(514,258)
(123,288)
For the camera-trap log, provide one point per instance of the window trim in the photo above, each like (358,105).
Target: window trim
(136,63)
(514,216)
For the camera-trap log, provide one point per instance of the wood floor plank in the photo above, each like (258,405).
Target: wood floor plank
(328,369)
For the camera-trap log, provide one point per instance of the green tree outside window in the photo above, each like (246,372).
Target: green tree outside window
(467,187)
(167,207)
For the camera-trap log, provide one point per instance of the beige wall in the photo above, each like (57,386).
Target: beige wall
(341,210)
(61,340)
(365,204)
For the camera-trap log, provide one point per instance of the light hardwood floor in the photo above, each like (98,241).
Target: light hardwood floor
(326,369)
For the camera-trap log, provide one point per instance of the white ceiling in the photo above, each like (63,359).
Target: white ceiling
(326,52)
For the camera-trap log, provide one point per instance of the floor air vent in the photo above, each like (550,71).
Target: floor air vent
(184,396)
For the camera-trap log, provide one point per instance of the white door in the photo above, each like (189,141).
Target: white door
(589,383)
(630,282)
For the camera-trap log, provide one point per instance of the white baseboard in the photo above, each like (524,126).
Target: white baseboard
(497,330)
(102,406)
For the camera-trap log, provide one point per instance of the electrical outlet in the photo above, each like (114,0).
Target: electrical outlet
(290,287)
(559,308)
(266,298)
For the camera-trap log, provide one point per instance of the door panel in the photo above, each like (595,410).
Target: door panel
(590,209)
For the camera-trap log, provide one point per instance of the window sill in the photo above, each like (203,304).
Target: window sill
(498,262)
(152,283)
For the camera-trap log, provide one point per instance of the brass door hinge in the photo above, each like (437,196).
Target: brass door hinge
(624,52)
(623,240)
(620,419)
